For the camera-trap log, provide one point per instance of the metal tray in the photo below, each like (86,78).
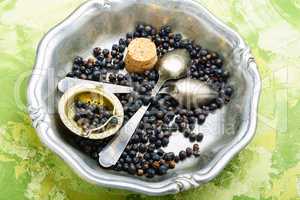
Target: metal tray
(101,23)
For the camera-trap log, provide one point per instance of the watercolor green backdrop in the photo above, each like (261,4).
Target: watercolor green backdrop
(269,168)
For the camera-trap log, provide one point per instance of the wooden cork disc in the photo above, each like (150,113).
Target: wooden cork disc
(141,55)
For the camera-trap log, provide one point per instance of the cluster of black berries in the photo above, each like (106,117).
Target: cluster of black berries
(144,154)
(97,69)
(90,116)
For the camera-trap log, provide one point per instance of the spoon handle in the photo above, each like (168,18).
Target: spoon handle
(158,85)
(67,83)
(111,153)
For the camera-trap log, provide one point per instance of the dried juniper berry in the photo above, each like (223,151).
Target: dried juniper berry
(187,133)
(176,159)
(158,124)
(192,137)
(189,152)
(165,141)
(131,169)
(97,51)
(172,164)
(162,170)
(160,152)
(169,156)
(155,156)
(196,147)
(150,172)
(199,137)
(182,155)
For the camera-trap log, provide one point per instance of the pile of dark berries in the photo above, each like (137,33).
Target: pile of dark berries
(144,155)
(89,116)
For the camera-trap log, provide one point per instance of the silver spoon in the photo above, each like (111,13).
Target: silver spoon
(190,92)
(172,66)
(187,91)
(67,83)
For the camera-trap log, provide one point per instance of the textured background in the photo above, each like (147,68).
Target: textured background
(269,168)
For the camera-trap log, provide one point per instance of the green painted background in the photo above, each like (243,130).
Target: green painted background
(269,168)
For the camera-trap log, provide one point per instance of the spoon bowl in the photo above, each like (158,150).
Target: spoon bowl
(174,64)
(190,93)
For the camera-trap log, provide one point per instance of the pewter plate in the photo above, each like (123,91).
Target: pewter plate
(101,23)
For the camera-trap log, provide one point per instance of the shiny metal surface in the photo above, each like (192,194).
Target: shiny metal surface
(173,66)
(226,132)
(67,83)
(190,92)
(94,94)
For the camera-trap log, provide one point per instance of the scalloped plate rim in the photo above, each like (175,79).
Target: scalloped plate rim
(168,186)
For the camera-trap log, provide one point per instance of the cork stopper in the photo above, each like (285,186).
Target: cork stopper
(141,55)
